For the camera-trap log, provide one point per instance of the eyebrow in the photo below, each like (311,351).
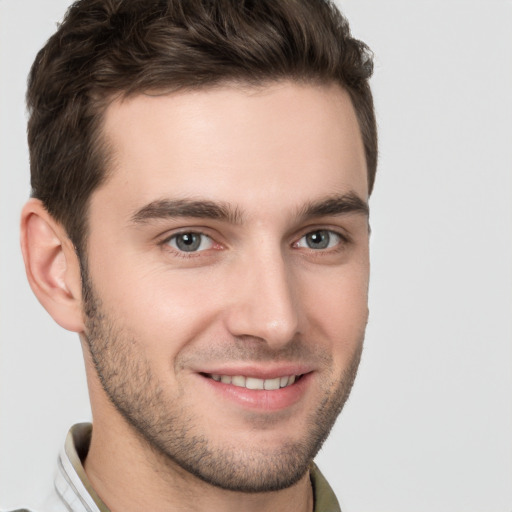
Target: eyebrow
(168,209)
(335,205)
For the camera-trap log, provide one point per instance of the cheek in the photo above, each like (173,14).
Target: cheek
(338,310)
(162,310)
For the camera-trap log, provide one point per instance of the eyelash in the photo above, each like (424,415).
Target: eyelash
(166,243)
(343,241)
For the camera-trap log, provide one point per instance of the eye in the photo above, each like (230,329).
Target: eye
(190,242)
(320,239)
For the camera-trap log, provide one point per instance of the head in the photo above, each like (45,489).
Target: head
(208,164)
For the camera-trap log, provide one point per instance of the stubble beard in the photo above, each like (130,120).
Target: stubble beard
(169,430)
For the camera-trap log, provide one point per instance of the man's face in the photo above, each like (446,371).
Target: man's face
(228,271)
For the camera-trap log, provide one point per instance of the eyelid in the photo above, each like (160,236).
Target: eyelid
(166,238)
(334,240)
(345,238)
(203,239)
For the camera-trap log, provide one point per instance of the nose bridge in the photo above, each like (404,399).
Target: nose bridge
(265,305)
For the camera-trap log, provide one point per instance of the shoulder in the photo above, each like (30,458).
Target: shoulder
(325,499)
(47,507)
(57,508)
(20,510)
(52,503)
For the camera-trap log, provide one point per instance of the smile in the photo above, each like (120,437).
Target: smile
(254,383)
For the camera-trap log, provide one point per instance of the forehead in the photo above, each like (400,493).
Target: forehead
(231,142)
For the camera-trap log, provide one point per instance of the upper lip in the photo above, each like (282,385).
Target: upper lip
(259,372)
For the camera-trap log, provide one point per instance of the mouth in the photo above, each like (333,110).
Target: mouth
(260,390)
(254,383)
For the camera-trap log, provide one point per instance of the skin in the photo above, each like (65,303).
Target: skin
(254,300)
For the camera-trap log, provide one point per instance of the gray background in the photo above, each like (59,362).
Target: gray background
(429,423)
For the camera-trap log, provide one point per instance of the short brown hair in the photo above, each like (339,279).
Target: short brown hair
(106,48)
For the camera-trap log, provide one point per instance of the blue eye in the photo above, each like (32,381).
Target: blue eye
(320,239)
(190,242)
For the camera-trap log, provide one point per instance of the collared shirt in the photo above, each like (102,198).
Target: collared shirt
(74,493)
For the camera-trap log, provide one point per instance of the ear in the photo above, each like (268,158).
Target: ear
(52,266)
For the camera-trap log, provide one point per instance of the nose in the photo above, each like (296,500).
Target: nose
(263,304)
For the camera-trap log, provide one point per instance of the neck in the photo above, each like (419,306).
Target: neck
(129,477)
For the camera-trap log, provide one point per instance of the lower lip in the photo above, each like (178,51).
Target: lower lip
(261,399)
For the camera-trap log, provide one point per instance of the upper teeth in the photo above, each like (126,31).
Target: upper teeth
(253,383)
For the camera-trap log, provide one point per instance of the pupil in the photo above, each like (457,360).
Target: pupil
(318,240)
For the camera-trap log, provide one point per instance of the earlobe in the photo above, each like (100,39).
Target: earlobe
(52,266)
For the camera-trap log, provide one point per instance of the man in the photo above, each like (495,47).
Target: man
(200,175)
